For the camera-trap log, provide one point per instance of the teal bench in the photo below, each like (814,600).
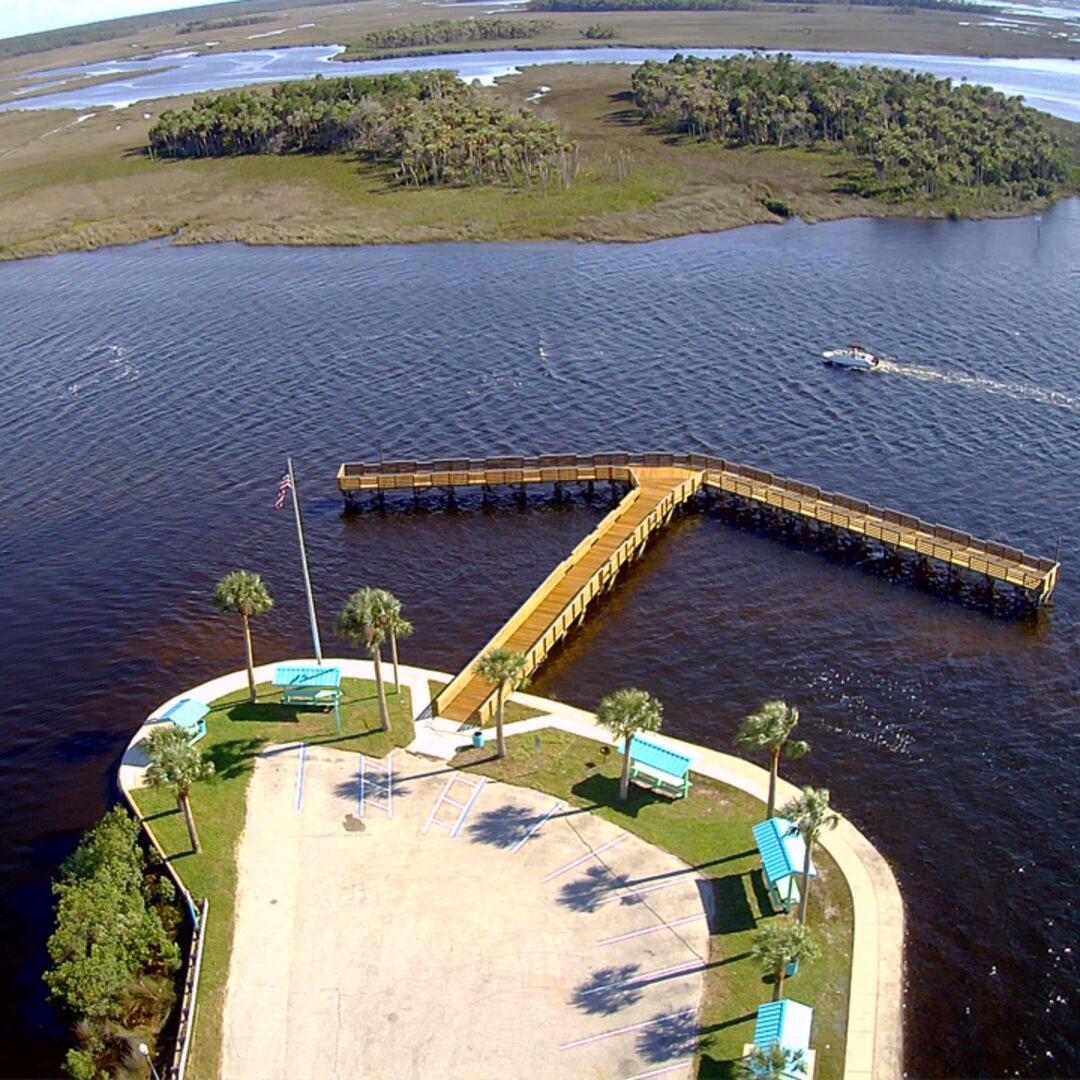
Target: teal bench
(310,687)
(310,695)
(659,769)
(190,716)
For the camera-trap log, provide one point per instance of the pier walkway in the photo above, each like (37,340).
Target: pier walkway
(659,484)
(589,570)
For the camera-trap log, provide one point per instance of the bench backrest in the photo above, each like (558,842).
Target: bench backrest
(659,757)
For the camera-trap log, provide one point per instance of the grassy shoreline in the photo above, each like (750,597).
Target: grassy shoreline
(67,186)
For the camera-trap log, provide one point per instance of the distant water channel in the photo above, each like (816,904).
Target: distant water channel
(152,394)
(1052,85)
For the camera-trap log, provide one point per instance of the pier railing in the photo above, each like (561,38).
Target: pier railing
(890,526)
(507,631)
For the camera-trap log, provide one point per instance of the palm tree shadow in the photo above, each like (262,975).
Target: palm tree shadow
(669,1037)
(375,786)
(602,994)
(720,1068)
(503,826)
(601,790)
(587,892)
(234,757)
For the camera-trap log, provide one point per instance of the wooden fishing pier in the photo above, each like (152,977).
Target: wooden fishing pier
(658,485)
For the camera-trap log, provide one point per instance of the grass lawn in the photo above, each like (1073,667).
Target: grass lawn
(235,733)
(512,710)
(710,830)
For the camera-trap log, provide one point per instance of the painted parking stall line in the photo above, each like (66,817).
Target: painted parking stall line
(623,1030)
(584,858)
(654,929)
(536,825)
(629,894)
(454,827)
(300,775)
(689,967)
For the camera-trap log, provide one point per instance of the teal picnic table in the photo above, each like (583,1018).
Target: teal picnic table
(189,715)
(315,687)
(659,768)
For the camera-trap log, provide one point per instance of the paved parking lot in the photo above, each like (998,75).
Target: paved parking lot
(480,931)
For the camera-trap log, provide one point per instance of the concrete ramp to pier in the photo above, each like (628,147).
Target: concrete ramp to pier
(561,600)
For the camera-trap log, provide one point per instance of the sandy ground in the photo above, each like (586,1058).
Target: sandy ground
(526,945)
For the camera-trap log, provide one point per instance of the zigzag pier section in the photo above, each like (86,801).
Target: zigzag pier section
(656,486)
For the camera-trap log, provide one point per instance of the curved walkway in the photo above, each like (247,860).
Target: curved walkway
(875,1008)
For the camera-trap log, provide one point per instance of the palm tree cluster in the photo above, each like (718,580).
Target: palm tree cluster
(914,135)
(741,5)
(445,31)
(369,618)
(638,5)
(432,127)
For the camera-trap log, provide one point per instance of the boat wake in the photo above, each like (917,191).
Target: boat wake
(1017,391)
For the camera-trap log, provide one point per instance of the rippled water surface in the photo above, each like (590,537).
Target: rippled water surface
(153,392)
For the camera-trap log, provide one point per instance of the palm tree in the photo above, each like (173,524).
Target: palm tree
(811,815)
(504,669)
(399,628)
(779,943)
(363,622)
(176,763)
(624,714)
(245,594)
(774,1062)
(770,729)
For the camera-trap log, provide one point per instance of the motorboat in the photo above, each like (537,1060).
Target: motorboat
(855,357)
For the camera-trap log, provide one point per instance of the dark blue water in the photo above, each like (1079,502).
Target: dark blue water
(152,393)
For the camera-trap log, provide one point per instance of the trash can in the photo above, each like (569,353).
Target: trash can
(791,969)
(478,738)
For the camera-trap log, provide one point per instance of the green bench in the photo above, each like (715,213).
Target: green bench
(308,687)
(659,769)
(310,695)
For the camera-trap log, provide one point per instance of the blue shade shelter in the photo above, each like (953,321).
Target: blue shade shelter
(783,852)
(658,768)
(316,687)
(789,1024)
(190,715)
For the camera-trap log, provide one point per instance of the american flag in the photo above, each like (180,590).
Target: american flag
(282,491)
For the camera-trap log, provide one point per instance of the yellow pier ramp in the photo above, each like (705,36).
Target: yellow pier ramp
(560,602)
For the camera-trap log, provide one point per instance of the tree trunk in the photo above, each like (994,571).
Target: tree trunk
(249,656)
(189,818)
(393,654)
(384,715)
(805,882)
(774,769)
(778,982)
(500,738)
(624,780)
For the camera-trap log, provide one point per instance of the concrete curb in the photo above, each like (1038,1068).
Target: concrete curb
(874,1048)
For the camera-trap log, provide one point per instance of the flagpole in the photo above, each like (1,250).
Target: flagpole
(304,563)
